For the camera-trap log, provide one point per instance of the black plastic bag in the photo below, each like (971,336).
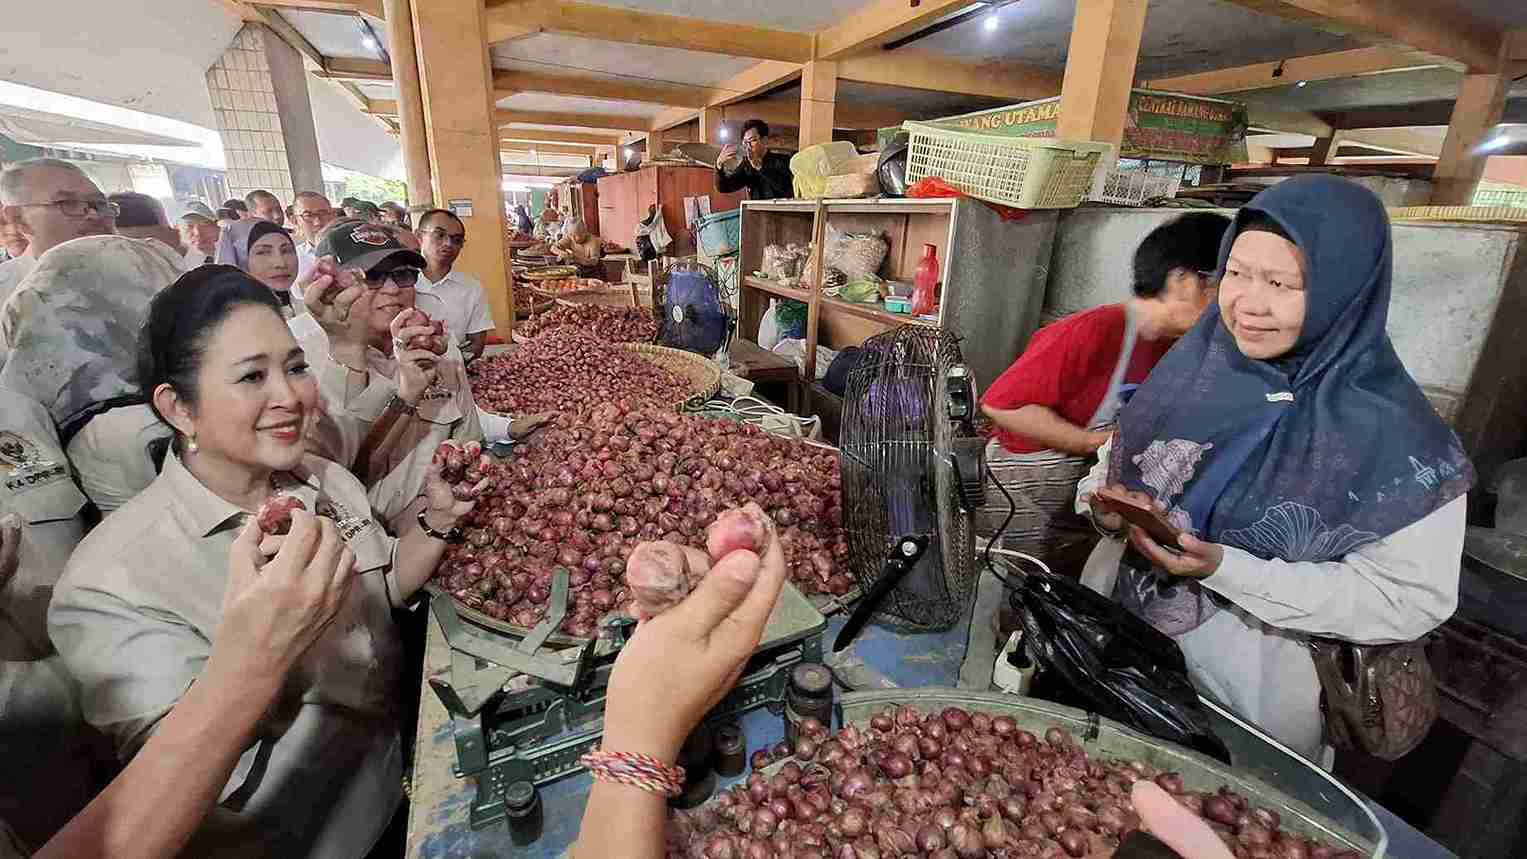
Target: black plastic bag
(1110,662)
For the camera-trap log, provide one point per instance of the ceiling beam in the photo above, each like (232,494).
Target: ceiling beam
(346,68)
(624,89)
(1288,122)
(567,138)
(1431,113)
(880,22)
(1316,67)
(786,110)
(1424,25)
(745,85)
(631,26)
(574,120)
(343,7)
(920,70)
(531,149)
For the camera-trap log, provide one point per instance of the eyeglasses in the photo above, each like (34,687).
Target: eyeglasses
(747,139)
(315,214)
(458,239)
(402,278)
(78,208)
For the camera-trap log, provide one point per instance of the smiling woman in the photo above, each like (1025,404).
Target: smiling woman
(264,251)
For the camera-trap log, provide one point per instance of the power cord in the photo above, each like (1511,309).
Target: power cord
(752,410)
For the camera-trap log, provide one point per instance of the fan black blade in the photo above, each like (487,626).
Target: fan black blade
(900,562)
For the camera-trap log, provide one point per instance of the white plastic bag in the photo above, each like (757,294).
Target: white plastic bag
(795,350)
(768,326)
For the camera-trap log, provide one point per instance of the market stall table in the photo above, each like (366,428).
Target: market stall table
(762,367)
(437,823)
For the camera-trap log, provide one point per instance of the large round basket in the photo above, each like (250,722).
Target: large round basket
(550,272)
(704,375)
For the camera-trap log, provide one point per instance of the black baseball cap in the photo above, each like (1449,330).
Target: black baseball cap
(364,245)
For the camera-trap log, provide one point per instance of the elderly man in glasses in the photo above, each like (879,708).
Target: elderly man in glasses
(51,201)
(463,305)
(385,406)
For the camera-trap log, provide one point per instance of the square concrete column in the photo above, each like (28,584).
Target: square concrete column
(260,100)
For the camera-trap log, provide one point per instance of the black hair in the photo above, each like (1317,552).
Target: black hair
(235,205)
(1189,243)
(181,319)
(754,124)
(424,217)
(1257,221)
(139,210)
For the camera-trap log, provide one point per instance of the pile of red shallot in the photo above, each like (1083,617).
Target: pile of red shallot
(583,492)
(953,785)
(615,324)
(524,299)
(573,371)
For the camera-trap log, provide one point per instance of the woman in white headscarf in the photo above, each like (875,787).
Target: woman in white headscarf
(73,329)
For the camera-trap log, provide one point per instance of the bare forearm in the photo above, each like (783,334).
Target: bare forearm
(1043,426)
(418,553)
(621,821)
(156,803)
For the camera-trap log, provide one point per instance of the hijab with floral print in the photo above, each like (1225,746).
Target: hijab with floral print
(1305,457)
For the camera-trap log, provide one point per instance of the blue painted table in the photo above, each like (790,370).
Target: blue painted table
(437,824)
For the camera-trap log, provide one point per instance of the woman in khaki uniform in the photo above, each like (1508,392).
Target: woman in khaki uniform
(385,408)
(142,597)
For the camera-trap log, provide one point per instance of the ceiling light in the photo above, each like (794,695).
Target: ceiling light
(990,25)
(369,43)
(1302,84)
(630,151)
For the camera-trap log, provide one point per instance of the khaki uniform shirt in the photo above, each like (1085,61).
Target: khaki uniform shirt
(134,617)
(111,454)
(348,412)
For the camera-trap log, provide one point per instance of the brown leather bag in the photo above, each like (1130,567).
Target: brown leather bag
(1380,699)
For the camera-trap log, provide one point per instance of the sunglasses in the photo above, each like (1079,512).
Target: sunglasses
(402,278)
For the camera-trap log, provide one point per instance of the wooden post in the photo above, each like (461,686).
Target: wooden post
(654,144)
(710,126)
(1100,70)
(1481,101)
(1322,150)
(457,86)
(819,97)
(405,80)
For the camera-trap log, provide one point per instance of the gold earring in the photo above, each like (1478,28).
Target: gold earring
(191,443)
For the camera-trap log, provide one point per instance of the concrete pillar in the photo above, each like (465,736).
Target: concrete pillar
(405,80)
(1100,70)
(259,95)
(819,101)
(457,86)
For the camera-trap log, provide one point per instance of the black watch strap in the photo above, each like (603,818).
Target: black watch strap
(452,536)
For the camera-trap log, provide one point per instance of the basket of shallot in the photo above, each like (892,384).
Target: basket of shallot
(951,773)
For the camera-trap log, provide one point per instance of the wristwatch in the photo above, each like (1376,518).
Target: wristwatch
(452,536)
(398,403)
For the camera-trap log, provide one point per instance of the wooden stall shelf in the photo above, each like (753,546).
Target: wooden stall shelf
(625,198)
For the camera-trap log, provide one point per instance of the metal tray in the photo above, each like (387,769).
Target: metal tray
(1342,819)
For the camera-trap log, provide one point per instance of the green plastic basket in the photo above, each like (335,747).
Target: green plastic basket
(1023,172)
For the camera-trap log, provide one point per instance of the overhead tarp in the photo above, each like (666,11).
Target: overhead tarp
(42,128)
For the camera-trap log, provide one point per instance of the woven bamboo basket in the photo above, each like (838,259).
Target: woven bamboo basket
(704,375)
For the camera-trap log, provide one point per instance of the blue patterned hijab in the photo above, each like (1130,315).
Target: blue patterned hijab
(1306,457)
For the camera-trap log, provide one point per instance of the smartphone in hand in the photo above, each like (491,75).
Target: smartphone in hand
(1147,517)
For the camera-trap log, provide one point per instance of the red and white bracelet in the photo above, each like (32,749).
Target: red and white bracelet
(639,771)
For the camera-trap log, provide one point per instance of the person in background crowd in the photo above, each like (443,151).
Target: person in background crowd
(237,209)
(46,771)
(265,252)
(394,214)
(73,325)
(291,218)
(384,408)
(142,217)
(264,204)
(764,174)
(406,237)
(442,235)
(578,246)
(522,222)
(547,225)
(13,242)
(368,211)
(199,232)
(51,201)
(349,207)
(313,213)
(1050,410)
(1318,492)
(143,595)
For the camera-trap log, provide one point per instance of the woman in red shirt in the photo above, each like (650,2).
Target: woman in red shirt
(1050,410)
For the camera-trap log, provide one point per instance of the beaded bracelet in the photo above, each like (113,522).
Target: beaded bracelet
(638,771)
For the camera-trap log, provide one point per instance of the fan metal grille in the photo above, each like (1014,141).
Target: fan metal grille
(896,480)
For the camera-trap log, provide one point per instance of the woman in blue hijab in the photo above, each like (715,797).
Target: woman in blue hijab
(1321,493)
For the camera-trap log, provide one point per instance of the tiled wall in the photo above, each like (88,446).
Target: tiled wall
(244,102)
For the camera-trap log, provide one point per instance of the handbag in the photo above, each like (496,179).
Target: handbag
(1377,698)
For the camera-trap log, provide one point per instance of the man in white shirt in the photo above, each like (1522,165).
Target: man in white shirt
(459,297)
(198,231)
(313,213)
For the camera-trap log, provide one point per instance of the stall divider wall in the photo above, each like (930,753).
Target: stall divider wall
(1457,313)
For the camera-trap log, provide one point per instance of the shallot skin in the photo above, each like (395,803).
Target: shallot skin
(275,515)
(658,575)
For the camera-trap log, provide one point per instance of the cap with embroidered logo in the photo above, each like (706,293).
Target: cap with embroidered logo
(359,244)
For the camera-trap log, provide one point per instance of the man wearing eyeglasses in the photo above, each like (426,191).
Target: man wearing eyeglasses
(313,212)
(51,201)
(465,306)
(765,175)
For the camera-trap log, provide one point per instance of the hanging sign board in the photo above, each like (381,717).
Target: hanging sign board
(461,207)
(1161,126)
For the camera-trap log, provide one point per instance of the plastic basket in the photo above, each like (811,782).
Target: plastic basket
(1023,172)
(1132,188)
(719,234)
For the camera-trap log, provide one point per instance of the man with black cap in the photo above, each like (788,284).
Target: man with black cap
(384,407)
(199,232)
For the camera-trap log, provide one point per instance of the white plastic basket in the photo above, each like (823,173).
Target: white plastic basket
(1024,172)
(1132,188)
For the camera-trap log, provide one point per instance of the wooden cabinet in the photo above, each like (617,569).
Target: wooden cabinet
(994,272)
(624,199)
(583,202)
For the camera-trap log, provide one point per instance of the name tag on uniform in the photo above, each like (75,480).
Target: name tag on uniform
(23,465)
